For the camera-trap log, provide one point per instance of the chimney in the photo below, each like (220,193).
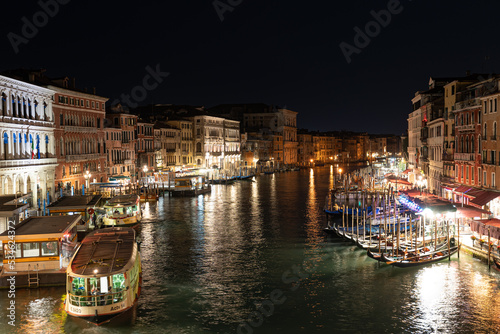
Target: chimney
(73,82)
(85,89)
(93,90)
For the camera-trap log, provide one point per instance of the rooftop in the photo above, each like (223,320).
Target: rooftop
(104,251)
(45,225)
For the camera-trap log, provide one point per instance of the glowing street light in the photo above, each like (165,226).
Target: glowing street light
(87,176)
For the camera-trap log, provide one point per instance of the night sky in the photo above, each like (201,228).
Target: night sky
(281,52)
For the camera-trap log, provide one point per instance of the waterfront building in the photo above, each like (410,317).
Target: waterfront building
(261,120)
(186,141)
(167,146)
(120,118)
(305,152)
(428,106)
(216,142)
(27,153)
(79,134)
(113,149)
(468,119)
(146,158)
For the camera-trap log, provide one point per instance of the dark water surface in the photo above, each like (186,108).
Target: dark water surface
(252,258)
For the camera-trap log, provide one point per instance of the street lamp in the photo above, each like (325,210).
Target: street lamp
(145,170)
(87,177)
(420,183)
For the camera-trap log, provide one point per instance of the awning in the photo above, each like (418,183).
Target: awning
(482,226)
(400,181)
(463,189)
(484,198)
(407,171)
(473,192)
(470,211)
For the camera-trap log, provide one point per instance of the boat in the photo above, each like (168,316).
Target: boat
(497,263)
(122,210)
(191,185)
(149,198)
(426,258)
(104,278)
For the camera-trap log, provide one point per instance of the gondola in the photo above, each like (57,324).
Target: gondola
(497,264)
(425,259)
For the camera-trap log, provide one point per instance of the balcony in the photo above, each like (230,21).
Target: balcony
(32,122)
(83,157)
(467,104)
(80,129)
(128,162)
(465,127)
(27,162)
(464,157)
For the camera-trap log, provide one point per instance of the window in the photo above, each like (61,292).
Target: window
(102,105)
(485,107)
(491,106)
(31,249)
(493,155)
(479,175)
(472,174)
(49,248)
(61,119)
(493,183)
(93,104)
(88,103)
(467,173)
(452,90)
(484,178)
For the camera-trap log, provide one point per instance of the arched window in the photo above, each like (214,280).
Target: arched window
(46,146)
(38,146)
(494,130)
(472,144)
(4,105)
(5,145)
(479,144)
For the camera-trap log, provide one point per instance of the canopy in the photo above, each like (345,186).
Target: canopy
(484,198)
(482,226)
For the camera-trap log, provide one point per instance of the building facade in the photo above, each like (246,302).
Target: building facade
(27,154)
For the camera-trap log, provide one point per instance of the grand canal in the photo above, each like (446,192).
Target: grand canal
(252,258)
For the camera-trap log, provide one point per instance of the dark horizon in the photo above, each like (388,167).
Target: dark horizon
(273,52)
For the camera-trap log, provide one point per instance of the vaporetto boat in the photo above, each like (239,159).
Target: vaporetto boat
(122,210)
(104,277)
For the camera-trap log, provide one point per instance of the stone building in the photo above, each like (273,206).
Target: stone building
(27,153)
(118,117)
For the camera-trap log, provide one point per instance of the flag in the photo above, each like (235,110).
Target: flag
(32,148)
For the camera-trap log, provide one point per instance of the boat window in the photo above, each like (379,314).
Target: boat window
(7,251)
(78,286)
(93,285)
(31,249)
(118,282)
(49,248)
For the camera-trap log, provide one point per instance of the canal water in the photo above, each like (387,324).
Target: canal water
(251,257)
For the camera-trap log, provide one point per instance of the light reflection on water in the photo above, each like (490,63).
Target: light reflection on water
(208,260)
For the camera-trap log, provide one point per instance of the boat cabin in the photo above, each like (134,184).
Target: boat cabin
(40,243)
